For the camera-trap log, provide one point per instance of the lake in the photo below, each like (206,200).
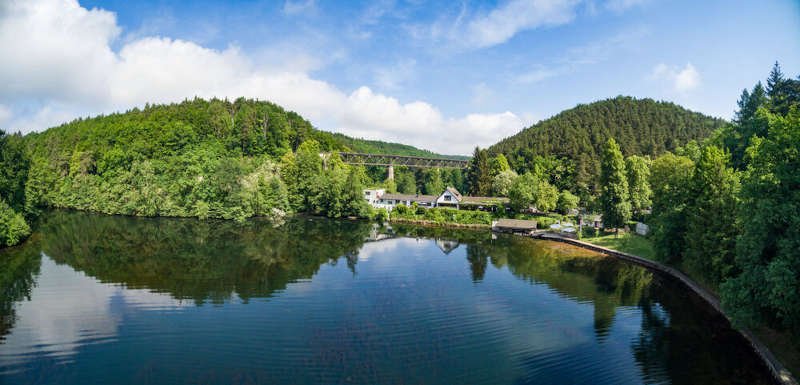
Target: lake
(104,299)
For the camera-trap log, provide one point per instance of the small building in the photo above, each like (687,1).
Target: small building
(450,197)
(372,195)
(519,226)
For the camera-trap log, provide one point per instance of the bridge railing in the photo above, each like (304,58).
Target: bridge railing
(401,160)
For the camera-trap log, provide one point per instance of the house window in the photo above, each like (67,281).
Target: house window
(447,198)
(366,193)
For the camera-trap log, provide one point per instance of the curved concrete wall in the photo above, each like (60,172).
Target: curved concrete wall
(781,374)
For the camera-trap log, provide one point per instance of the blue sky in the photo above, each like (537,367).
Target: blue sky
(442,75)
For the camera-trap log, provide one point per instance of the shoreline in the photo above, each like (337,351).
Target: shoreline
(779,372)
(474,226)
(776,368)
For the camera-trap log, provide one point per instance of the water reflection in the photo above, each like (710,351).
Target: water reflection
(203,261)
(118,299)
(18,269)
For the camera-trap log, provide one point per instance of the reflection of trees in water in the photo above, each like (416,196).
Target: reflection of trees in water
(682,340)
(478,258)
(573,273)
(199,260)
(570,271)
(19,267)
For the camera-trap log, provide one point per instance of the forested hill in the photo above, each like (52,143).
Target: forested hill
(640,126)
(202,158)
(381,147)
(243,128)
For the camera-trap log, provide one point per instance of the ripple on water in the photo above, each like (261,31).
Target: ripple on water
(312,302)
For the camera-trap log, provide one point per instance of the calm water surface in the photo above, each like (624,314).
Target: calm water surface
(97,299)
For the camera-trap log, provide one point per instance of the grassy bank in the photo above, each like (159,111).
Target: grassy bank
(780,343)
(630,243)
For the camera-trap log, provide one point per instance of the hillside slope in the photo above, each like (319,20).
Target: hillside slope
(640,126)
(381,147)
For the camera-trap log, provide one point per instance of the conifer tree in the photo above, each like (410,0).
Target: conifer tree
(615,196)
(479,177)
(638,173)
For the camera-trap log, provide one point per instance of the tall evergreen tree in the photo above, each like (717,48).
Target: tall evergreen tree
(711,217)
(615,196)
(775,81)
(479,177)
(638,174)
(768,249)
(671,179)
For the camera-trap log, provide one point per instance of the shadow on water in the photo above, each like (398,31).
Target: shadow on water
(19,267)
(675,337)
(206,261)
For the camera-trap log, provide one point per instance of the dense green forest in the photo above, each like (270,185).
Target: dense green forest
(568,146)
(199,158)
(380,147)
(14,164)
(726,210)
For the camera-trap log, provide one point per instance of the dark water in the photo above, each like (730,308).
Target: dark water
(94,299)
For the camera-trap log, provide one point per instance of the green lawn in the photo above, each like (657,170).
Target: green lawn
(626,242)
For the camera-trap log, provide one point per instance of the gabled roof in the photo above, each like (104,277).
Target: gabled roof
(455,192)
(468,200)
(409,197)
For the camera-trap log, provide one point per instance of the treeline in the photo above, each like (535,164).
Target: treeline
(14,165)
(727,210)
(531,190)
(380,147)
(567,148)
(198,158)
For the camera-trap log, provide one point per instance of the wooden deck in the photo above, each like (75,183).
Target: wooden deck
(514,226)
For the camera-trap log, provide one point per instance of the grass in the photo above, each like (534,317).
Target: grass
(626,242)
(781,343)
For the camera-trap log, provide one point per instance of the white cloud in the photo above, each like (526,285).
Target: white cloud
(58,55)
(536,76)
(622,5)
(678,79)
(475,30)
(502,23)
(393,77)
(294,7)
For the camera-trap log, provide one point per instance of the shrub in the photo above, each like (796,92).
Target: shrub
(381,215)
(401,209)
(13,228)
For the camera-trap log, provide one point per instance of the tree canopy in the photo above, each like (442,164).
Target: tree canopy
(575,138)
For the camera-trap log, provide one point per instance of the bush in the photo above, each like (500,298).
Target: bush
(544,222)
(381,215)
(13,228)
(401,209)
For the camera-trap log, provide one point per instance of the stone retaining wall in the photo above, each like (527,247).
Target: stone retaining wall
(781,374)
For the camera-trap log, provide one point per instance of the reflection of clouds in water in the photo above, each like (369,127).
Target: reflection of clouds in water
(387,245)
(68,309)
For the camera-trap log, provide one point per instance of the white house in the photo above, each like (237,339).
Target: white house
(450,197)
(372,196)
